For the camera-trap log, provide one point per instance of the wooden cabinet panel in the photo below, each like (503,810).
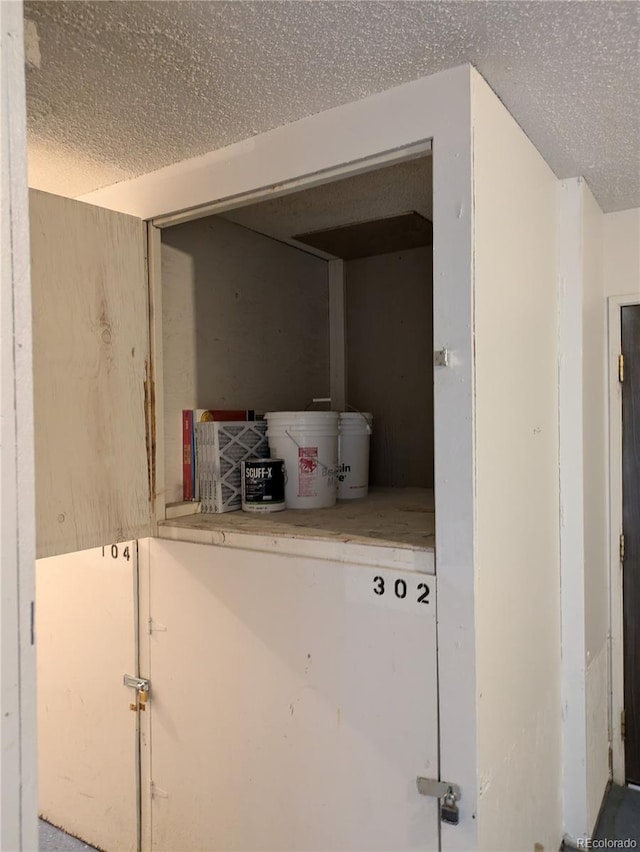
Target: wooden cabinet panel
(293,702)
(87,735)
(91,382)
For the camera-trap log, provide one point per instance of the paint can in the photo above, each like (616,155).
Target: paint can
(308,443)
(263,485)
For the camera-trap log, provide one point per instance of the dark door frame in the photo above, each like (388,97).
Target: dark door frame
(616,671)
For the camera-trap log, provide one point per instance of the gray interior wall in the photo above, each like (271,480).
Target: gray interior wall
(389,301)
(245,325)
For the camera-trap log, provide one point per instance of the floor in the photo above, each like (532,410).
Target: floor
(620,817)
(619,820)
(53,840)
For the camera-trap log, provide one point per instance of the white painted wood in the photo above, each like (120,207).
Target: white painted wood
(389,305)
(337,336)
(392,527)
(245,326)
(87,735)
(614,304)
(454,475)
(18,781)
(570,378)
(183,192)
(293,708)
(516,462)
(343,139)
(91,375)
(597,704)
(179,510)
(355,553)
(155,404)
(144,647)
(596,526)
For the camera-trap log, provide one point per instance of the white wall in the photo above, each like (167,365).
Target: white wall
(622,252)
(517,519)
(245,325)
(570,377)
(18,824)
(599,256)
(389,308)
(596,556)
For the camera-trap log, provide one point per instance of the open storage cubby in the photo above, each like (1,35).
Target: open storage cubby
(326,292)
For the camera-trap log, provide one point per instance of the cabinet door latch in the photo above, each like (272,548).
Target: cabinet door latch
(142,687)
(441,358)
(449,795)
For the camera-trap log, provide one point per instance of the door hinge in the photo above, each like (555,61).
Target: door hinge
(621,368)
(621,547)
(623,724)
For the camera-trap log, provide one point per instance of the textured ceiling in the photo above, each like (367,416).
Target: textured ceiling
(377,194)
(117,89)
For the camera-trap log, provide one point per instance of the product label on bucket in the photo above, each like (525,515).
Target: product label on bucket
(307,467)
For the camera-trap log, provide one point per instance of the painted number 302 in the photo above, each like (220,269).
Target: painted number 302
(400,589)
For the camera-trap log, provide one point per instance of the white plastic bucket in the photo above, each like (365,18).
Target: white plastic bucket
(355,430)
(308,443)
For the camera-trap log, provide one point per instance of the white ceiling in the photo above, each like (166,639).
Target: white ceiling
(118,89)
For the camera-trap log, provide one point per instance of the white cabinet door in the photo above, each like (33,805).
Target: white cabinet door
(292,704)
(88,751)
(91,377)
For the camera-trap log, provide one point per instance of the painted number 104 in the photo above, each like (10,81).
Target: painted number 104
(115,552)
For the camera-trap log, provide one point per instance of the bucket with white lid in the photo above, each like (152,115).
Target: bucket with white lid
(308,443)
(355,428)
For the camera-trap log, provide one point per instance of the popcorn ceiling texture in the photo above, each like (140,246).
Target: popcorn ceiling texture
(123,88)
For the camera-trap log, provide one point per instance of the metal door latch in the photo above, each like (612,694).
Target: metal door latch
(449,795)
(141,686)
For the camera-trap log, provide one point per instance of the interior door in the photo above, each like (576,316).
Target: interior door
(293,703)
(92,386)
(88,744)
(631,528)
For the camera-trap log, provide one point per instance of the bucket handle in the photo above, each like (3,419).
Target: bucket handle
(364,417)
(352,407)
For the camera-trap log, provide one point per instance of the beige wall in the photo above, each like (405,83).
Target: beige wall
(389,307)
(622,253)
(245,325)
(517,517)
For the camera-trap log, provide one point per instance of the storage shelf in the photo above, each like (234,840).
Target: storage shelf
(391,526)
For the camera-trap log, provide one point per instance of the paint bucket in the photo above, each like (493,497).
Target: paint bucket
(263,485)
(355,430)
(308,443)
